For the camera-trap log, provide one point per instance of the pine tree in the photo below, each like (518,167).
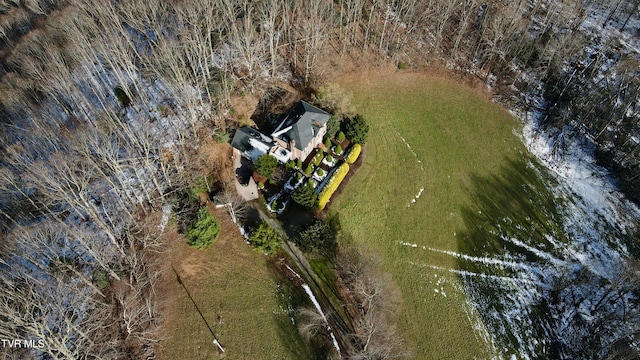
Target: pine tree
(266,165)
(306,196)
(356,129)
(204,230)
(265,238)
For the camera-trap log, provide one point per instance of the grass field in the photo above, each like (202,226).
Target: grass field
(240,296)
(429,138)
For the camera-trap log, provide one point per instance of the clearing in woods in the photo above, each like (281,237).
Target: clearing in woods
(429,137)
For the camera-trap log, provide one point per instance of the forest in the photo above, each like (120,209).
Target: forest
(104,106)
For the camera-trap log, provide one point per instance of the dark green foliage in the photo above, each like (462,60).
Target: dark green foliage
(219,82)
(221,136)
(320,237)
(122,96)
(266,165)
(185,207)
(101,278)
(340,136)
(201,185)
(356,129)
(306,196)
(265,238)
(333,125)
(204,230)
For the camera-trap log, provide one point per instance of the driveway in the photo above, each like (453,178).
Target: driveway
(250,190)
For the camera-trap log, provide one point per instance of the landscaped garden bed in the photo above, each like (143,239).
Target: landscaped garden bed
(277,203)
(332,185)
(329,161)
(294,181)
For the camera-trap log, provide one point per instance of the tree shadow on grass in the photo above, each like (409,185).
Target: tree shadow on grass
(512,225)
(290,298)
(545,286)
(513,203)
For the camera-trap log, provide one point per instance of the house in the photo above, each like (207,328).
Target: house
(302,130)
(299,133)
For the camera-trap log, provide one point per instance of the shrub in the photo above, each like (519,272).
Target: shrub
(204,230)
(201,185)
(309,169)
(221,136)
(339,150)
(329,158)
(260,185)
(318,157)
(122,96)
(354,153)
(291,164)
(299,164)
(320,172)
(333,125)
(266,165)
(327,142)
(265,238)
(332,185)
(101,278)
(340,136)
(356,129)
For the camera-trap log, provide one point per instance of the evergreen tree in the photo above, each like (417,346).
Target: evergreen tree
(265,238)
(356,129)
(204,230)
(333,125)
(266,165)
(306,196)
(320,236)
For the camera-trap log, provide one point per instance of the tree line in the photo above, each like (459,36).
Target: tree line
(103,106)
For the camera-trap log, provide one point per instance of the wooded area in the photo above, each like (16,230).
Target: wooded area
(103,106)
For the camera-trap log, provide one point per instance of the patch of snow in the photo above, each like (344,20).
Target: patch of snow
(315,302)
(166,213)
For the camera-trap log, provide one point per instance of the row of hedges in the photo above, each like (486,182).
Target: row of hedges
(332,185)
(354,153)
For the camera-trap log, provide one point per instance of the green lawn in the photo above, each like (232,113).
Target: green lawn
(242,298)
(455,135)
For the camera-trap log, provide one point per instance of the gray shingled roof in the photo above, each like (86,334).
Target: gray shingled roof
(305,121)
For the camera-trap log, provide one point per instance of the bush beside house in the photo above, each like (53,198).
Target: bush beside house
(332,185)
(354,153)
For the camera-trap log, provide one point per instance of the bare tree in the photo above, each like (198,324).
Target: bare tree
(378,301)
(235,205)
